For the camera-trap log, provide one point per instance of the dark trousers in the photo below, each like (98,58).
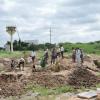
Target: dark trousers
(33,59)
(53,61)
(73,58)
(62,54)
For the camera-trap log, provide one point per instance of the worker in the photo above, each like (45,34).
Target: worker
(21,63)
(12,64)
(53,56)
(33,55)
(58,52)
(62,51)
(46,56)
(78,56)
(73,54)
(82,58)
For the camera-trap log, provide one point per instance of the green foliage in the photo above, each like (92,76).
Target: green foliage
(21,46)
(49,46)
(91,47)
(43,63)
(6,54)
(50,91)
(98,85)
(87,47)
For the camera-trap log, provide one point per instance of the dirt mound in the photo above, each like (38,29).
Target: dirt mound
(11,85)
(62,64)
(10,77)
(48,80)
(82,77)
(58,67)
(87,58)
(11,89)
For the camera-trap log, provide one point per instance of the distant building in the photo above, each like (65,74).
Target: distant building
(7,47)
(31,41)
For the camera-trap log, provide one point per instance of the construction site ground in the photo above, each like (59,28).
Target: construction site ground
(16,85)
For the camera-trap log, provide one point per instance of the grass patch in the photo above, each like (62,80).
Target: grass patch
(4,54)
(98,85)
(98,74)
(52,91)
(18,54)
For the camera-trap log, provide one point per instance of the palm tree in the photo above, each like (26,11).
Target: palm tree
(11,30)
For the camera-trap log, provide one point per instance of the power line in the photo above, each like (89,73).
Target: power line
(50,35)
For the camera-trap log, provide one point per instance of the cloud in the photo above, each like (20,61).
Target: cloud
(70,20)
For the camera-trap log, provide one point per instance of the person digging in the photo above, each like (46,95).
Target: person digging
(12,65)
(21,64)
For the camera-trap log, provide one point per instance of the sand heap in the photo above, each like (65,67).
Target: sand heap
(80,76)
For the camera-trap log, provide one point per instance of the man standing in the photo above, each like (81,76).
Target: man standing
(78,57)
(73,54)
(46,56)
(33,55)
(58,52)
(53,56)
(62,51)
(82,58)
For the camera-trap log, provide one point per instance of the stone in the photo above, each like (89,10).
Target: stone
(88,95)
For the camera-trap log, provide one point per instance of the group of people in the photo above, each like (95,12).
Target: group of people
(56,53)
(77,55)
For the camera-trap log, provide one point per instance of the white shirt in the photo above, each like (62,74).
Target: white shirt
(33,54)
(78,52)
(62,48)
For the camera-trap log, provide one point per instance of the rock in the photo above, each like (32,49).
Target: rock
(35,94)
(88,95)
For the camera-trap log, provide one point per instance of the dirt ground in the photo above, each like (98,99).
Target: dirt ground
(12,83)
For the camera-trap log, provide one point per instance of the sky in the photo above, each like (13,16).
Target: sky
(70,20)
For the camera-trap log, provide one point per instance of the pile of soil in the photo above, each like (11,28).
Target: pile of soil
(87,58)
(47,80)
(11,85)
(57,67)
(80,76)
(11,89)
